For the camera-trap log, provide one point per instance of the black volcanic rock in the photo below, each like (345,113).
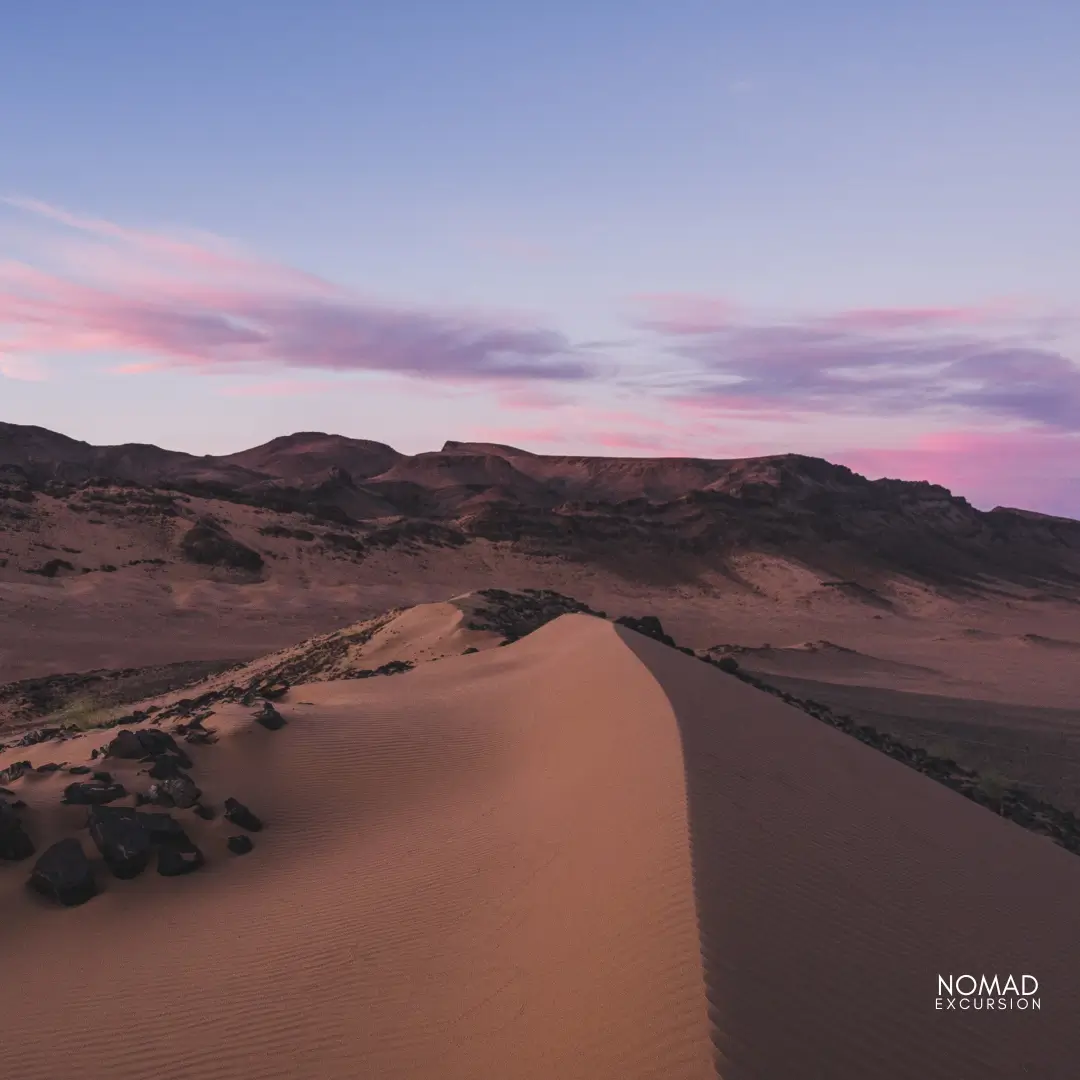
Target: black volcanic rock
(179,857)
(240,845)
(269,717)
(15,843)
(14,771)
(179,790)
(239,814)
(121,838)
(93,793)
(64,874)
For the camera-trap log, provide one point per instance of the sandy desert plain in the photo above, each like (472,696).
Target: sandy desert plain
(565,767)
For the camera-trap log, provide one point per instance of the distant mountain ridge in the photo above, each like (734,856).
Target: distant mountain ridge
(694,512)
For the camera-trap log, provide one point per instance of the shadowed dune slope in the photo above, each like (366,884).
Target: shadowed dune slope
(478,869)
(834,886)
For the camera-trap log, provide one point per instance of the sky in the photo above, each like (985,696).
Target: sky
(695,227)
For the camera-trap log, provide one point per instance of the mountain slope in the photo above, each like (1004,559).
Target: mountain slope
(663,520)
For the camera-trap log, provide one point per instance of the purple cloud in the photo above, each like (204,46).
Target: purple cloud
(817,365)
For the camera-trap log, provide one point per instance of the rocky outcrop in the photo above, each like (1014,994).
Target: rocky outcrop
(209,544)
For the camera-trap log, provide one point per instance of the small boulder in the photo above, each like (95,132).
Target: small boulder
(14,771)
(269,717)
(205,812)
(182,790)
(198,737)
(146,742)
(155,742)
(50,767)
(103,776)
(78,770)
(167,766)
(121,838)
(64,874)
(93,793)
(126,745)
(239,814)
(15,844)
(240,845)
(179,858)
(156,795)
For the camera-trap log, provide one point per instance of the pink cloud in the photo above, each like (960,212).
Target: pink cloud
(208,307)
(135,369)
(879,320)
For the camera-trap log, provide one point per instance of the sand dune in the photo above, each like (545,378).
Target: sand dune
(583,856)
(480,869)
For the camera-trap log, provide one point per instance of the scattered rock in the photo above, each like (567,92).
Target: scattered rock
(94,793)
(15,843)
(200,738)
(14,771)
(146,742)
(78,770)
(270,718)
(64,874)
(40,735)
(240,845)
(179,858)
(207,813)
(275,692)
(50,767)
(166,766)
(121,838)
(126,745)
(103,776)
(239,814)
(182,790)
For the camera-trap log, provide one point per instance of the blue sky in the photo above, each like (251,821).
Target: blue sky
(716,228)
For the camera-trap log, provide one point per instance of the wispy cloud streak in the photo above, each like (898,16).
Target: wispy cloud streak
(991,361)
(208,306)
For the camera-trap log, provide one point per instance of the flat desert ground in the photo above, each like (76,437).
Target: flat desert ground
(584,855)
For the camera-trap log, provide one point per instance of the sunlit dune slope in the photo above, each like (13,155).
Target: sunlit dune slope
(477,869)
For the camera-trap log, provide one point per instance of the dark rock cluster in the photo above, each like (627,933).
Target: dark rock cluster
(127,838)
(516,614)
